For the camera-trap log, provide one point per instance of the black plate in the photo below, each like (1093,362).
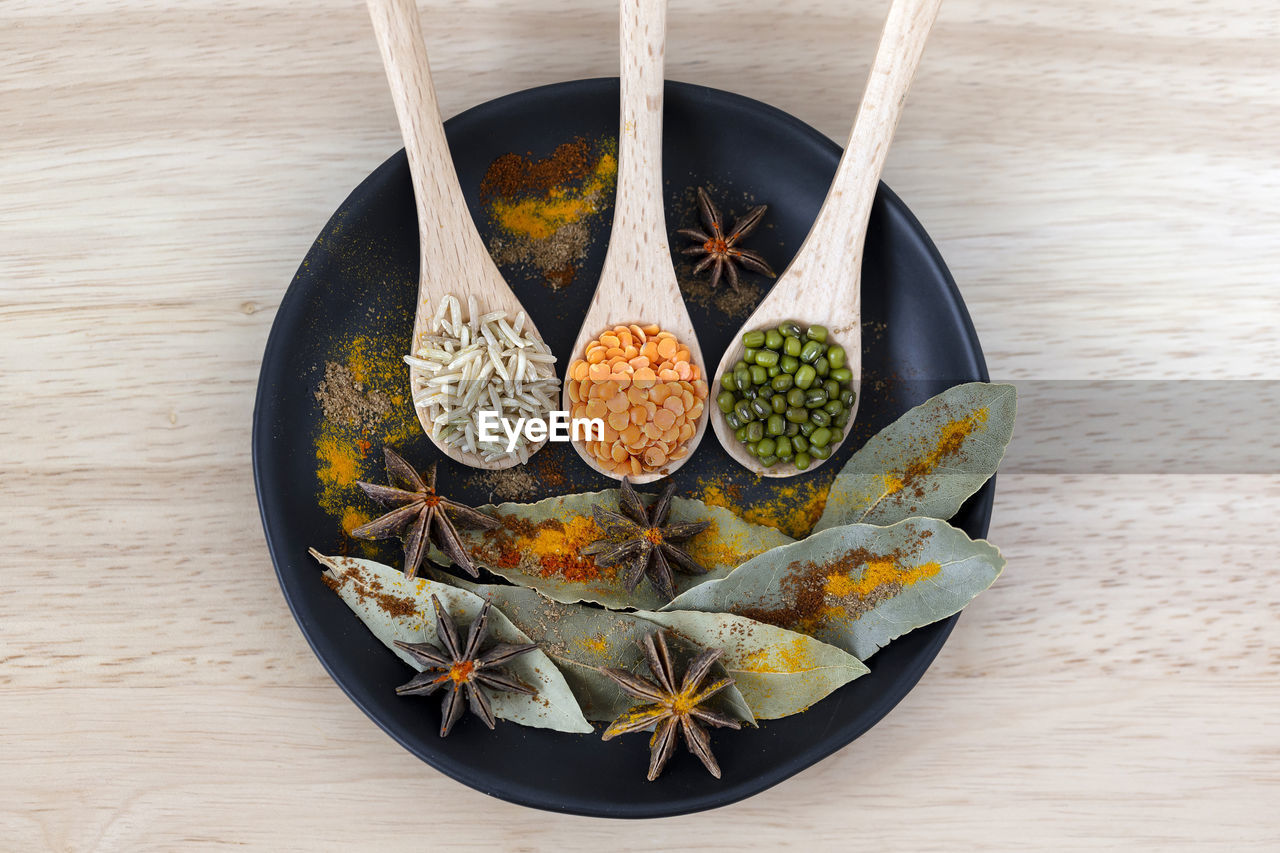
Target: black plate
(359,275)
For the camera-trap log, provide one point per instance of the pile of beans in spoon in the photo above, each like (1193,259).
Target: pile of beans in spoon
(790,396)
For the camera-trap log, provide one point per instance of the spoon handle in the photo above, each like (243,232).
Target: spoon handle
(638,241)
(832,253)
(447,233)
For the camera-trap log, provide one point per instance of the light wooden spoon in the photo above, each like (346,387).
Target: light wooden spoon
(452,255)
(823,283)
(638,283)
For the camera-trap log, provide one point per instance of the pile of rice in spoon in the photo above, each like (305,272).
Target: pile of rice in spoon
(488,362)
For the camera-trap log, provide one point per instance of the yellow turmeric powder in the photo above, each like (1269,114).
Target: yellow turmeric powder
(876,575)
(789,656)
(793,508)
(539,217)
(951,438)
(347,451)
(543,209)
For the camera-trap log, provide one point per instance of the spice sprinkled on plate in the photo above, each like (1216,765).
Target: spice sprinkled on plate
(542,210)
(344,399)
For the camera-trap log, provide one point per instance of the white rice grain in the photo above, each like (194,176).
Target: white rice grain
(485,362)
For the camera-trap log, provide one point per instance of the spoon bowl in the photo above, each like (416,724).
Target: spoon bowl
(453,260)
(822,286)
(638,283)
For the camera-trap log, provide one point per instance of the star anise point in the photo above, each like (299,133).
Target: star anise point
(420,516)
(462,670)
(718,248)
(639,539)
(670,707)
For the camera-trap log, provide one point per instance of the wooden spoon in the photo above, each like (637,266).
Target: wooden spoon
(823,283)
(452,255)
(638,283)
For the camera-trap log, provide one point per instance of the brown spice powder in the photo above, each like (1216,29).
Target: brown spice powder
(727,303)
(556,257)
(346,401)
(509,484)
(392,605)
(541,210)
(805,588)
(512,175)
(541,476)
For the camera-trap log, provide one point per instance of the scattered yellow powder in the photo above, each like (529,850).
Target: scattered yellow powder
(348,452)
(550,547)
(713,547)
(941,446)
(353,518)
(950,441)
(338,462)
(540,218)
(876,575)
(890,484)
(793,508)
(566,538)
(789,656)
(380,365)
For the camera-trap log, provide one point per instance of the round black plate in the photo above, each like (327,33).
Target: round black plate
(360,273)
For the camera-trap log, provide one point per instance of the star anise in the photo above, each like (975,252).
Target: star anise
(638,535)
(671,707)
(722,253)
(462,669)
(420,516)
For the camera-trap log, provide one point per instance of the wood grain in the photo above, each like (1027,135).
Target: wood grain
(1102,180)
(637,282)
(453,260)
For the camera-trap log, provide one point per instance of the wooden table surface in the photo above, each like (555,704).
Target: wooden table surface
(1104,181)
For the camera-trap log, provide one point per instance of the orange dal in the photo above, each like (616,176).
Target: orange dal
(642,383)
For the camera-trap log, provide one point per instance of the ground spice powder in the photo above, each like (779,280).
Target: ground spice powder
(950,441)
(847,587)
(789,656)
(714,547)
(541,209)
(549,548)
(542,476)
(345,400)
(370,590)
(793,508)
(511,175)
(347,447)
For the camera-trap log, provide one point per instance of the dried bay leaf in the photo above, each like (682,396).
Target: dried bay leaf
(779,672)
(538,544)
(857,586)
(927,462)
(395,607)
(582,639)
